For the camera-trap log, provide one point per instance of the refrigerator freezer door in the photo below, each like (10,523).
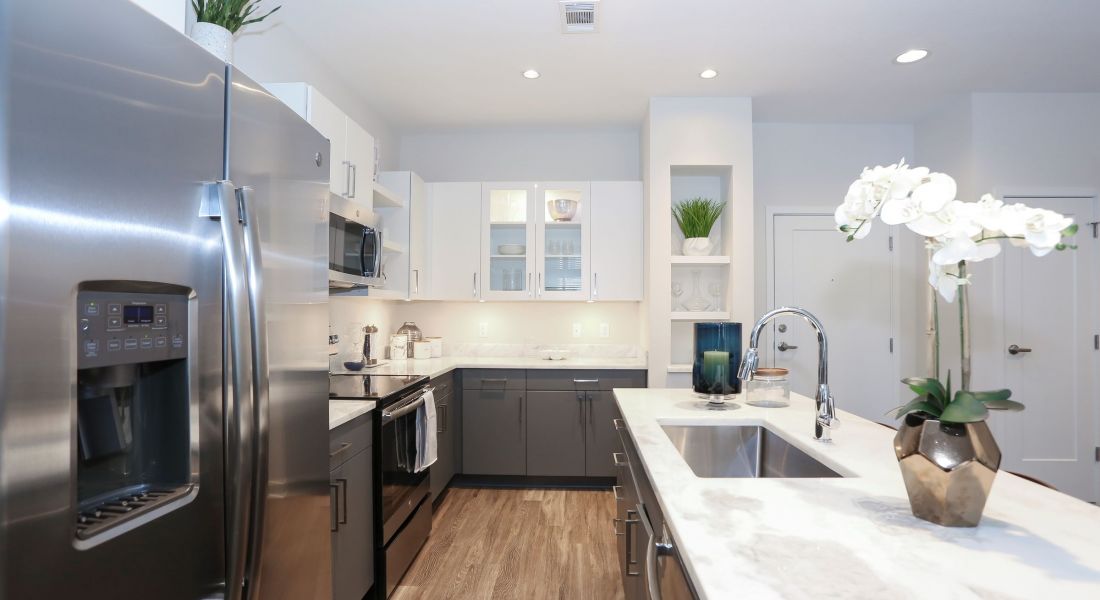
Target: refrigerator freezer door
(111,139)
(282,164)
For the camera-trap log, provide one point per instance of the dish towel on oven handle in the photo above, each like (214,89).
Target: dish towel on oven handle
(426,445)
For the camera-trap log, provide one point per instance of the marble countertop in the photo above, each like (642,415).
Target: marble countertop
(852,537)
(434,367)
(343,411)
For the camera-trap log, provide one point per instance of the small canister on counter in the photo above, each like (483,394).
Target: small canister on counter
(422,349)
(399,346)
(437,346)
(770,387)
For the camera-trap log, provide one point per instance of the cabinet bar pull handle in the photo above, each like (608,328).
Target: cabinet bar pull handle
(595,285)
(342,449)
(619,459)
(618,423)
(580,407)
(343,483)
(334,498)
(578,381)
(475,284)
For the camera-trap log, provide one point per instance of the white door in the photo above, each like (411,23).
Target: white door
(563,247)
(617,240)
(1050,307)
(508,241)
(850,288)
(454,240)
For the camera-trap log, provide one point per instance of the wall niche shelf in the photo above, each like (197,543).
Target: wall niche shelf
(384,197)
(700,260)
(693,316)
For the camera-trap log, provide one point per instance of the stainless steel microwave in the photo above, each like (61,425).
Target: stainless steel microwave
(354,245)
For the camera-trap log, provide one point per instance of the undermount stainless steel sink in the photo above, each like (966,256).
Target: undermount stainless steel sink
(742,451)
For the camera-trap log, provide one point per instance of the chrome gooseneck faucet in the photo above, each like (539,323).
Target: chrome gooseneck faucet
(826,409)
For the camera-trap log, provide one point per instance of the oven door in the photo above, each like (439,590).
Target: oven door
(355,245)
(402,487)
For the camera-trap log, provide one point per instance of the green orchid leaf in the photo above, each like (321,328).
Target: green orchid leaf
(993,395)
(1070,231)
(929,387)
(916,405)
(965,408)
(1003,405)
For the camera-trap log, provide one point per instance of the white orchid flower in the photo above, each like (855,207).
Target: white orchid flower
(935,192)
(945,279)
(959,249)
(989,213)
(952,221)
(1043,230)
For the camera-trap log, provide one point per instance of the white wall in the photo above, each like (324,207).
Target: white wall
(811,165)
(703,132)
(560,154)
(271,53)
(173,12)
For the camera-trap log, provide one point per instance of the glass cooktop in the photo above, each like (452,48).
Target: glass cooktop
(371,387)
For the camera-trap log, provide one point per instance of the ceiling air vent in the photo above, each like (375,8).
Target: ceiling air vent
(579,17)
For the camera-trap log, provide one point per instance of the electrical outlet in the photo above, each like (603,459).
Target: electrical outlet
(605,330)
(576,330)
(483,330)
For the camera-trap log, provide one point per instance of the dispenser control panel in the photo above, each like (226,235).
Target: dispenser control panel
(117,328)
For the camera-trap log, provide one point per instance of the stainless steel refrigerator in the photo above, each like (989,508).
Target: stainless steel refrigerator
(163,318)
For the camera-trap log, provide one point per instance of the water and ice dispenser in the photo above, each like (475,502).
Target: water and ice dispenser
(133,408)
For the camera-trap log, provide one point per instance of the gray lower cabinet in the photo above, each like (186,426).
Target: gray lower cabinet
(494,438)
(556,424)
(351,519)
(446,407)
(600,437)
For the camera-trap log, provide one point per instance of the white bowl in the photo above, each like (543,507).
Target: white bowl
(512,249)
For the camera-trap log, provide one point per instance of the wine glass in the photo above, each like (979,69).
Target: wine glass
(715,290)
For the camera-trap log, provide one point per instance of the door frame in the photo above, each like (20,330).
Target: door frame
(772,212)
(998,335)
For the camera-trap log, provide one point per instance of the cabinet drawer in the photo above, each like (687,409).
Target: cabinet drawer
(349,439)
(584,379)
(494,379)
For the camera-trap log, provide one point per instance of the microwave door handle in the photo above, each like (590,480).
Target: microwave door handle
(220,202)
(260,388)
(378,253)
(363,251)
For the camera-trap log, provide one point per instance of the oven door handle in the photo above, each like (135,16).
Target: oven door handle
(406,408)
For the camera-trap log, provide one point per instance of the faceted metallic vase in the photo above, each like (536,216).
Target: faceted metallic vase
(948,469)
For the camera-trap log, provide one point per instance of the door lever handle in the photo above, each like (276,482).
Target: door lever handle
(1014,350)
(783,347)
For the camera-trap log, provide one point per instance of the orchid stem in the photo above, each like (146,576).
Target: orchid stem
(964,326)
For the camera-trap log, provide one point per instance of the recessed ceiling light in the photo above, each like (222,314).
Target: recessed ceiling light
(531,74)
(911,56)
(709,74)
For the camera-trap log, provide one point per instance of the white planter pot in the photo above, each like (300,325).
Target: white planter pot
(698,246)
(216,39)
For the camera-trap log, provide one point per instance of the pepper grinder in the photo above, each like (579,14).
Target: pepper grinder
(370,345)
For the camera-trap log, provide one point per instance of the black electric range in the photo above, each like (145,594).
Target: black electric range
(402,510)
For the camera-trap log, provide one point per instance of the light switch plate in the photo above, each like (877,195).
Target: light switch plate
(483,330)
(576,330)
(605,330)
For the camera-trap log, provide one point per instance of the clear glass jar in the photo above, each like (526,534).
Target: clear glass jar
(770,387)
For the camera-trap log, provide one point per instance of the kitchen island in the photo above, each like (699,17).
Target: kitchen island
(434,367)
(852,536)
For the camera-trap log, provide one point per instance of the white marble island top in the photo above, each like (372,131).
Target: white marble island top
(344,411)
(434,367)
(852,537)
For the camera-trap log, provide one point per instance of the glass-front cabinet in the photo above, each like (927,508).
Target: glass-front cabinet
(535,241)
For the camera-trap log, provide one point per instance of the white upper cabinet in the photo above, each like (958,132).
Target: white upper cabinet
(420,283)
(508,241)
(617,241)
(454,241)
(563,256)
(351,164)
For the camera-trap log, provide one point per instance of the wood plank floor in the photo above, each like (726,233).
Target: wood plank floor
(529,544)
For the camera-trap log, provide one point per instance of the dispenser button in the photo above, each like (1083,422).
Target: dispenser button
(114,345)
(161,341)
(131,344)
(114,322)
(114,309)
(177,341)
(91,347)
(160,309)
(85,324)
(91,309)
(160,321)
(146,343)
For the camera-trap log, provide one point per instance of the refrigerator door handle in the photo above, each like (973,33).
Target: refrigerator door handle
(260,384)
(221,202)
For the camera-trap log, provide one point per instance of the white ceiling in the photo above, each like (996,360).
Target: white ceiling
(425,64)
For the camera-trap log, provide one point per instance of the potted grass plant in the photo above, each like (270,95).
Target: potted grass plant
(946,452)
(696,217)
(219,20)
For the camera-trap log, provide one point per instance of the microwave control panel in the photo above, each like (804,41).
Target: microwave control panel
(118,328)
